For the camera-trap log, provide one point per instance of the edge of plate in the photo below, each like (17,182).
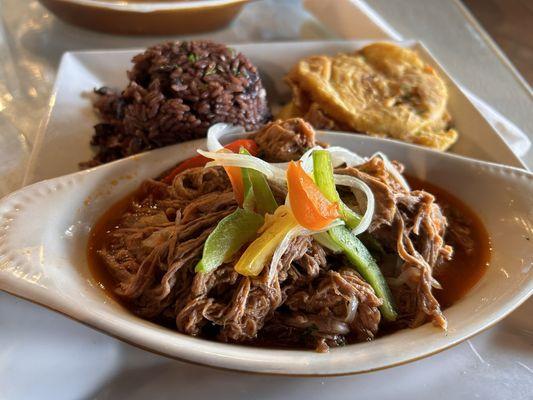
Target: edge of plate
(43,125)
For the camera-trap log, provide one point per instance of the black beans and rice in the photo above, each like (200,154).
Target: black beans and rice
(176,91)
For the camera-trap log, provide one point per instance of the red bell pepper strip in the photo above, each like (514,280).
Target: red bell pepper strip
(200,161)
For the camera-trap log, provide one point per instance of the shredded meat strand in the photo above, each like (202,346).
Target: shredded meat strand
(412,224)
(282,141)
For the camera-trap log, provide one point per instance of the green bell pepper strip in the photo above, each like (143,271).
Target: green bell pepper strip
(257,193)
(325,240)
(362,260)
(250,202)
(231,233)
(323,175)
(351,246)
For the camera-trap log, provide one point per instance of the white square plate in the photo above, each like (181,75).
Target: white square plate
(63,139)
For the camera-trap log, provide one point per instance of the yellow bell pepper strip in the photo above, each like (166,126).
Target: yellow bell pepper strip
(310,207)
(257,193)
(231,233)
(260,251)
(354,250)
(323,174)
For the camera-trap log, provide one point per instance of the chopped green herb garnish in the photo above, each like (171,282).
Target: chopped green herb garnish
(168,67)
(192,57)
(211,70)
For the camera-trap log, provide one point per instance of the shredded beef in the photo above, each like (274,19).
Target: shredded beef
(337,303)
(151,254)
(311,297)
(282,141)
(411,224)
(176,91)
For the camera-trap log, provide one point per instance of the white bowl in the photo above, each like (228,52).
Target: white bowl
(44,229)
(147,17)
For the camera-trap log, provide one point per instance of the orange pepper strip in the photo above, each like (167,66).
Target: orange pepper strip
(200,161)
(235,177)
(310,207)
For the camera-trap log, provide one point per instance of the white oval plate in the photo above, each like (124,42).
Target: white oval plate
(44,229)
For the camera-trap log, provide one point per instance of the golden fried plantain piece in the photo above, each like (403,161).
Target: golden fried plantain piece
(381,90)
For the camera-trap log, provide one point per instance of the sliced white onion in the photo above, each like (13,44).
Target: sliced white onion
(354,183)
(281,165)
(243,161)
(351,307)
(307,160)
(217,131)
(393,171)
(280,250)
(284,244)
(340,155)
(408,275)
(435,283)
(411,275)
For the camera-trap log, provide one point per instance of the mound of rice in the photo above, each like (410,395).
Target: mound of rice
(176,92)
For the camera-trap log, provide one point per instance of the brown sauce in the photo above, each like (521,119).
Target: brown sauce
(466,268)
(109,221)
(456,276)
